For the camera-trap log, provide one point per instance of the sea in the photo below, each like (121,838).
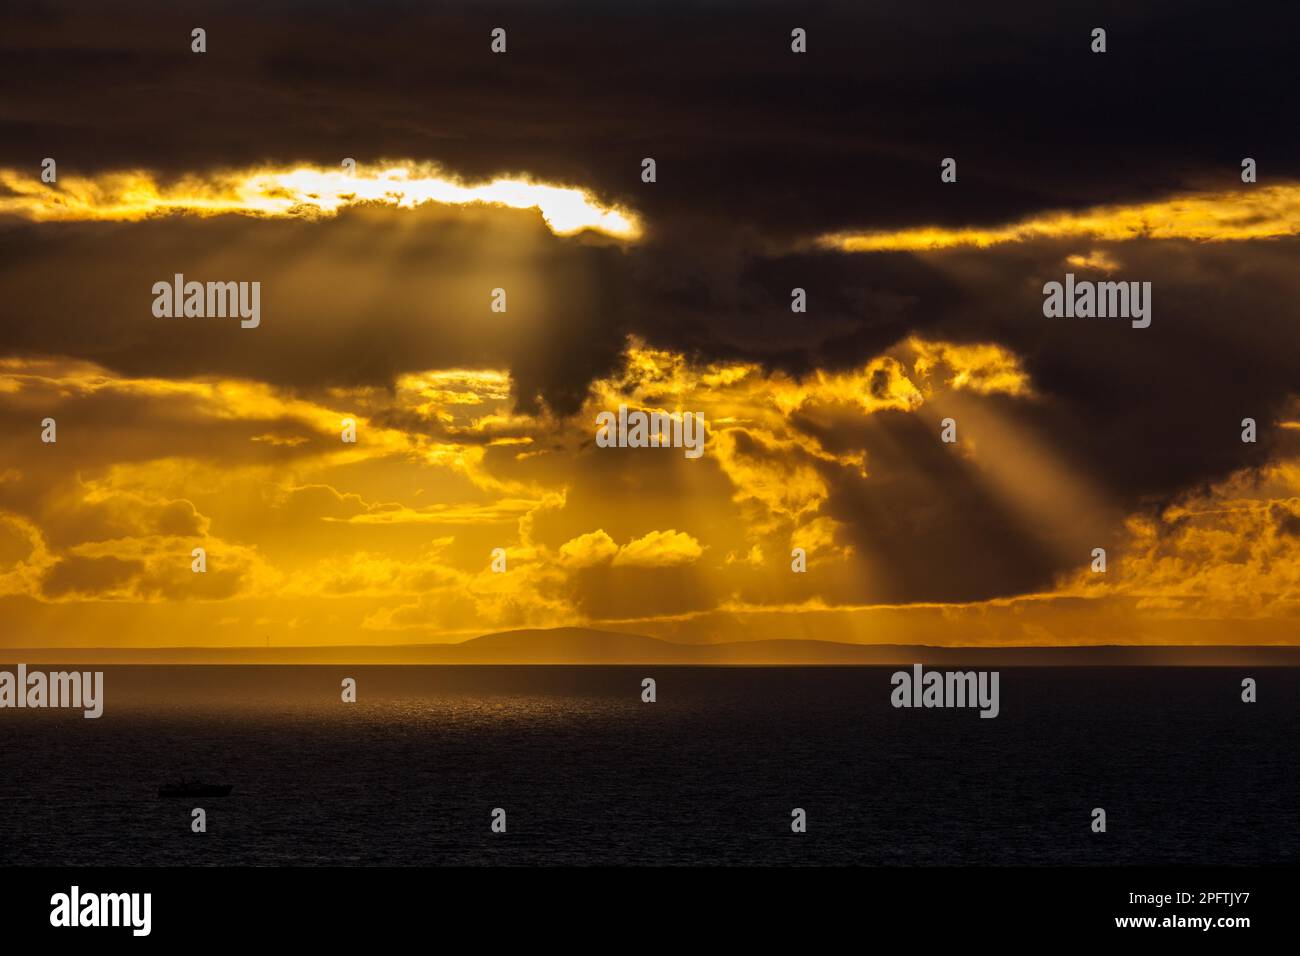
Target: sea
(712,772)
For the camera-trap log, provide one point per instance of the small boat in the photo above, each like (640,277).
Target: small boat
(192,788)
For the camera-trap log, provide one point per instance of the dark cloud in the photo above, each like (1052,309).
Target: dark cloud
(1286,520)
(86,576)
(747,134)
(350,301)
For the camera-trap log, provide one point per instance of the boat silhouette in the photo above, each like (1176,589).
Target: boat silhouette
(193,788)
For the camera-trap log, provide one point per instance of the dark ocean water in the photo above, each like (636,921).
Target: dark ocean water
(588,774)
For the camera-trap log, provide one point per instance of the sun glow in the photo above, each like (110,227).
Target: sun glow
(1260,213)
(301,191)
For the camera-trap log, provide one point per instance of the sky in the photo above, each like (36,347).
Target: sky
(523,171)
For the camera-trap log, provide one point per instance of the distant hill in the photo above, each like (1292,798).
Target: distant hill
(579,645)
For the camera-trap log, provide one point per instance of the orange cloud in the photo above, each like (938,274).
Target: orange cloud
(302,191)
(659,549)
(1260,212)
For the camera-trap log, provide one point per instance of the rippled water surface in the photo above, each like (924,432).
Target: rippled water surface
(588,774)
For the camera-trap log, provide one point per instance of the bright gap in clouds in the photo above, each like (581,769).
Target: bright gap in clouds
(1263,212)
(300,191)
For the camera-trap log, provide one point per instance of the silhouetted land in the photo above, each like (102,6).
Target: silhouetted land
(573,645)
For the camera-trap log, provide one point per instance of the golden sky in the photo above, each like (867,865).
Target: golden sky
(476,434)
